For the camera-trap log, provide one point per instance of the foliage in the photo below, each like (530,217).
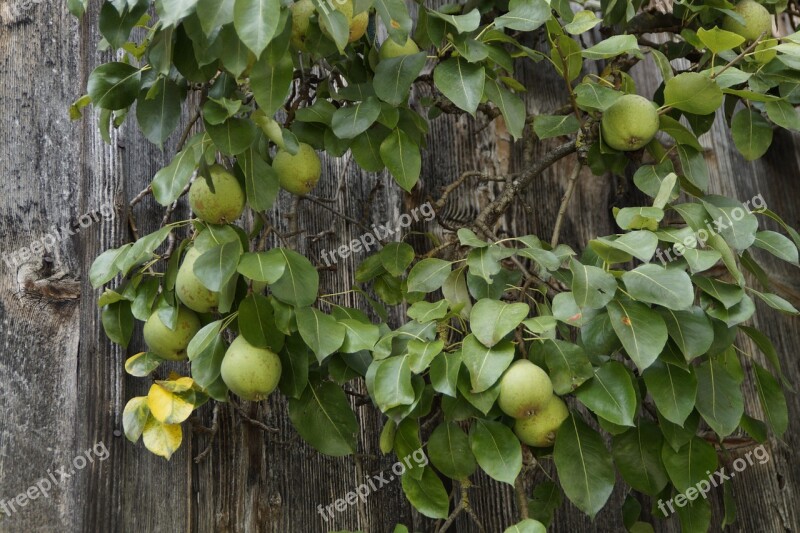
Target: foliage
(644,350)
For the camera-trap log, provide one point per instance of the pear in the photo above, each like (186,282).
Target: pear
(167,343)
(225,204)
(249,372)
(390,49)
(540,429)
(629,123)
(298,173)
(190,289)
(757,20)
(301,19)
(524,389)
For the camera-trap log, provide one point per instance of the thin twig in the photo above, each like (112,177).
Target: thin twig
(573,179)
(187,130)
(212,432)
(253,422)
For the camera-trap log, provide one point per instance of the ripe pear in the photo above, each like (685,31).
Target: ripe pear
(357,24)
(301,15)
(249,372)
(167,343)
(629,123)
(390,49)
(225,204)
(540,429)
(298,173)
(524,389)
(757,20)
(190,290)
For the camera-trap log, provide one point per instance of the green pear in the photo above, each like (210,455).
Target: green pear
(629,123)
(298,173)
(524,389)
(757,20)
(249,372)
(189,288)
(302,11)
(390,49)
(225,204)
(540,429)
(167,343)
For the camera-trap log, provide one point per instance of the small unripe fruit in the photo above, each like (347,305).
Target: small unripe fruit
(225,204)
(540,430)
(524,389)
(168,343)
(301,15)
(358,26)
(757,20)
(390,49)
(190,289)
(298,173)
(629,123)
(251,373)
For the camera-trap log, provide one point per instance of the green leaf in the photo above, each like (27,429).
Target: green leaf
(427,495)
(444,373)
(775,302)
(203,339)
(524,15)
(257,323)
(718,40)
(783,114)
(396,257)
(350,121)
(169,182)
(768,349)
(726,293)
(233,136)
(170,12)
(640,244)
(694,166)
(462,23)
(567,364)
(584,21)
(114,85)
(584,465)
(428,275)
(206,367)
(425,311)
(527,526)
(117,322)
(593,96)
(103,268)
(778,245)
(217,266)
(772,399)
(612,47)
(142,364)
(393,382)
(260,180)
(323,334)
(266,267)
(333,22)
(422,354)
(687,466)
(485,364)
(299,284)
(732,220)
(461,82)
(673,390)
(690,330)
(637,454)
(358,336)
(491,320)
(395,17)
(496,449)
(214,13)
(719,398)
(544,502)
(271,80)
(294,366)
(669,287)
(511,106)
(449,451)
(752,133)
(402,157)
(394,76)
(610,394)
(115,25)
(592,287)
(134,417)
(323,417)
(641,330)
(694,93)
(159,115)
(256,22)
(548,126)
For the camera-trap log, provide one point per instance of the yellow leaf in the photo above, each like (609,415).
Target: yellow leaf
(134,417)
(166,406)
(177,383)
(162,439)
